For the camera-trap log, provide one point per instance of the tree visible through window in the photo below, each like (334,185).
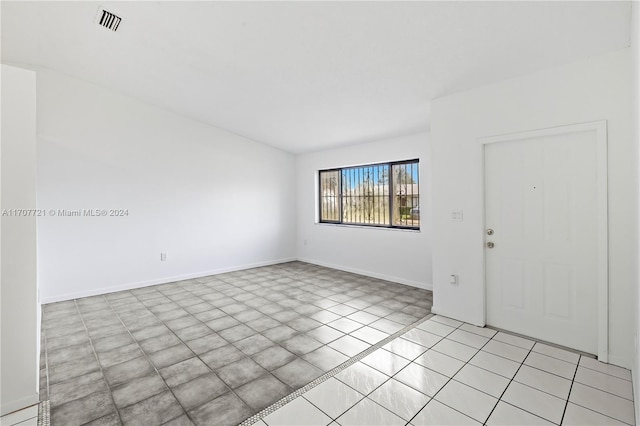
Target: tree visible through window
(386,194)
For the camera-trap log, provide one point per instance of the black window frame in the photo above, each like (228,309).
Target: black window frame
(390,185)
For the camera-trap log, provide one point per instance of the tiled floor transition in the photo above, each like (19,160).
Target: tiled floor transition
(444,372)
(214,350)
(299,344)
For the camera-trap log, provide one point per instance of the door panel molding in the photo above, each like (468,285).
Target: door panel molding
(600,129)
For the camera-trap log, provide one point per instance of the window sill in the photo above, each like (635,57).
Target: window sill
(380,228)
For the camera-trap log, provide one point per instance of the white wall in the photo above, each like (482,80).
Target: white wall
(635,52)
(593,89)
(211,200)
(20,310)
(396,255)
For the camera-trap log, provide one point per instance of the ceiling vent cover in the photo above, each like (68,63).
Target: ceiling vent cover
(108,20)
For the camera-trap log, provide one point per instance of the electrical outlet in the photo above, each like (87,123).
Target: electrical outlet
(163,257)
(453,279)
(305,242)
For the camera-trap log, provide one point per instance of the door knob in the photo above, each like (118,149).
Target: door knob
(489,231)
(490,244)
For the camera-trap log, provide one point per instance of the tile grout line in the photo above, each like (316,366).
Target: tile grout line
(216,333)
(602,372)
(95,354)
(604,415)
(451,378)
(413,362)
(477,350)
(193,315)
(153,365)
(598,412)
(239,301)
(566,400)
(196,288)
(575,373)
(329,374)
(538,369)
(415,324)
(599,389)
(144,354)
(513,378)
(468,363)
(572,380)
(511,381)
(297,332)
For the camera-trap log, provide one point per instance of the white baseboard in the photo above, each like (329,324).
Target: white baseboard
(454,315)
(425,286)
(620,361)
(613,359)
(11,406)
(164,280)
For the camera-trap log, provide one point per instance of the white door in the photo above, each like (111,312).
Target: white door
(544,192)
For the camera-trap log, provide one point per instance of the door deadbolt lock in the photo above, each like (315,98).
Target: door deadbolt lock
(489,231)
(490,244)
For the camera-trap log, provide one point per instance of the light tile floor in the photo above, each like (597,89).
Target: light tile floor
(214,350)
(25,417)
(444,372)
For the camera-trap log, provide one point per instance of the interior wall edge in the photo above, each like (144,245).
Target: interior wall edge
(19,365)
(634,43)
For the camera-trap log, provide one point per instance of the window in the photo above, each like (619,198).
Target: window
(384,195)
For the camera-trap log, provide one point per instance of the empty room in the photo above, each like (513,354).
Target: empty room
(319,213)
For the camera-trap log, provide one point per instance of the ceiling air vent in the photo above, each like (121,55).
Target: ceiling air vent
(108,20)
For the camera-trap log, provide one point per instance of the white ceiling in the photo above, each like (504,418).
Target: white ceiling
(304,76)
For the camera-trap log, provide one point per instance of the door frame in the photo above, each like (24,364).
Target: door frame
(600,128)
